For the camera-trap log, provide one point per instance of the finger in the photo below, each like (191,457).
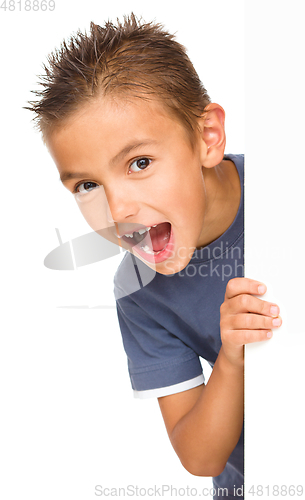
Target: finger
(244,337)
(249,304)
(254,322)
(237,286)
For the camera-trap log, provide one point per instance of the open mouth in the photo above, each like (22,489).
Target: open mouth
(150,242)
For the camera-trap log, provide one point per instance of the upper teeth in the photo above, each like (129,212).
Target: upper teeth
(141,231)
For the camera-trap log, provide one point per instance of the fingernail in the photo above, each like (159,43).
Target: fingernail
(274,310)
(262,289)
(269,335)
(276,322)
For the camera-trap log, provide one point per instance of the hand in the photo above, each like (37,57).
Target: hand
(245,318)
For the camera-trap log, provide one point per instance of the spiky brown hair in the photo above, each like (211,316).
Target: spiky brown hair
(131,58)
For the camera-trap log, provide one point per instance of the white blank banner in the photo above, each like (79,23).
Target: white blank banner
(275,180)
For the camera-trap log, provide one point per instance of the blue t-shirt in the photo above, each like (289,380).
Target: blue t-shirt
(173,320)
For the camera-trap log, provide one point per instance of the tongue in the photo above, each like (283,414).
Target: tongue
(159,236)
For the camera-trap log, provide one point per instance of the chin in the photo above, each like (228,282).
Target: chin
(167,267)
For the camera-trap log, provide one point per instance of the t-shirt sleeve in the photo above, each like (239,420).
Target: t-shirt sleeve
(159,363)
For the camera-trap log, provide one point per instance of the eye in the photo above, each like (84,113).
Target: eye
(139,164)
(85,187)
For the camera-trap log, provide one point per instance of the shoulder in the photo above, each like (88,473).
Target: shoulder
(236,158)
(239,161)
(132,275)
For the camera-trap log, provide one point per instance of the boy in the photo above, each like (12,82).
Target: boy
(127,120)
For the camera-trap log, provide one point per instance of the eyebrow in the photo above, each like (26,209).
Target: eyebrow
(129,148)
(65,176)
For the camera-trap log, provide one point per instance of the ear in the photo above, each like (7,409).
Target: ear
(213,135)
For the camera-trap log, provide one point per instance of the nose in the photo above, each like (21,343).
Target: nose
(121,205)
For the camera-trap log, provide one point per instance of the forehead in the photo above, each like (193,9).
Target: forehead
(106,126)
(114,112)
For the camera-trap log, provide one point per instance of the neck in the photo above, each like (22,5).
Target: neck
(223,198)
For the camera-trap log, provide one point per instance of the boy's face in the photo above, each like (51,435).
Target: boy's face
(150,174)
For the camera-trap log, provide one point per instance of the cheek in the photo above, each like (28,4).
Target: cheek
(176,188)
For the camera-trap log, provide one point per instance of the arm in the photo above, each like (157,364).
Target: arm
(204,423)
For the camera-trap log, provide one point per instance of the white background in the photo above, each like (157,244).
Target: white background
(68,419)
